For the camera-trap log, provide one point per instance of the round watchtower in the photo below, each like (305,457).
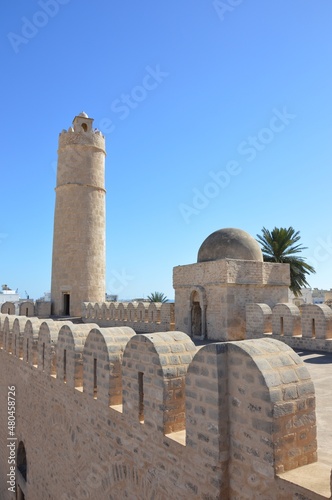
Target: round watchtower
(78,263)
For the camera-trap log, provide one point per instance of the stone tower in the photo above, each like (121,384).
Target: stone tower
(78,263)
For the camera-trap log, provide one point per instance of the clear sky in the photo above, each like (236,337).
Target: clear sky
(216,114)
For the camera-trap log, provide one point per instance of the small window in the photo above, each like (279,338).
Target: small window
(84,127)
(140,397)
(65,366)
(95,378)
(43,356)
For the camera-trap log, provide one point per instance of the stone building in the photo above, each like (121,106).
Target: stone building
(211,295)
(78,263)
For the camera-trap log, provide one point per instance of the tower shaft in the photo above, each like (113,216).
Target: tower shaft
(78,263)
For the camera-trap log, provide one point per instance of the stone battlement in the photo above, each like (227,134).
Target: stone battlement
(143,317)
(308,326)
(91,138)
(153,416)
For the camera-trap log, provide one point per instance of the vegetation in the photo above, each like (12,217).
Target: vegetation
(157,297)
(281,245)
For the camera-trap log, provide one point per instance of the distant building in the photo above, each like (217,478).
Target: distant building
(8,295)
(306,297)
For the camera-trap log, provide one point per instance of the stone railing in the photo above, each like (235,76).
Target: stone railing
(143,317)
(308,326)
(225,407)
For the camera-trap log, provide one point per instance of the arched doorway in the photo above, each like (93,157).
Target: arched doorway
(197,312)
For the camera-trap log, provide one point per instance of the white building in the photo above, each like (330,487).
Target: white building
(7,295)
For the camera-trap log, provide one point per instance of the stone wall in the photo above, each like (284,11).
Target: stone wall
(308,326)
(143,317)
(105,413)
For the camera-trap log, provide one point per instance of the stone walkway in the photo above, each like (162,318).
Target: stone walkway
(320,368)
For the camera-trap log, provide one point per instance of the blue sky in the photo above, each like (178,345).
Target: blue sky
(216,114)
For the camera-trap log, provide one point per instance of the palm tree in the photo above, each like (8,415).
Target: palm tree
(157,297)
(279,245)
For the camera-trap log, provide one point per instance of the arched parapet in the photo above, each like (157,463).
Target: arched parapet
(113,310)
(8,332)
(207,423)
(154,368)
(142,312)
(98,311)
(286,320)
(47,341)
(154,310)
(271,411)
(85,310)
(102,358)
(121,315)
(69,353)
(18,335)
(131,313)
(30,340)
(27,308)
(316,321)
(105,311)
(258,320)
(2,319)
(8,308)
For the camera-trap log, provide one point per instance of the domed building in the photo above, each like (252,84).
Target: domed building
(211,295)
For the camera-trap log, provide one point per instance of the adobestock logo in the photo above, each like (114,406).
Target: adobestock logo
(225,7)
(124,105)
(31,27)
(119,281)
(322,252)
(249,148)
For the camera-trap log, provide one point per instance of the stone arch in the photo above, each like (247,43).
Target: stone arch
(98,311)
(30,341)
(47,341)
(316,321)
(2,319)
(85,310)
(8,308)
(131,313)
(258,320)
(286,320)
(121,313)
(90,311)
(154,369)
(104,311)
(69,353)
(27,308)
(266,391)
(198,305)
(102,357)
(142,312)
(281,395)
(207,422)
(18,335)
(154,312)
(8,332)
(112,309)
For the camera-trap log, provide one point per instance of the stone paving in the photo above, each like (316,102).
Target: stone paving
(320,368)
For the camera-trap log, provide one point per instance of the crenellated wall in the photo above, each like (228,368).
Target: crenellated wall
(308,326)
(105,413)
(143,317)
